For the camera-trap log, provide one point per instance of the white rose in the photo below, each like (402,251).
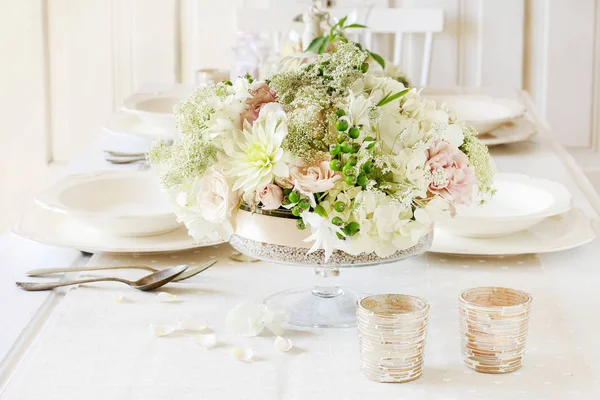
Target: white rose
(214,197)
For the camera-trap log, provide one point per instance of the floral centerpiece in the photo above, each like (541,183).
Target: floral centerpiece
(365,164)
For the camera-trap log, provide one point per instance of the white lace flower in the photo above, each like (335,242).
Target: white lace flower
(256,156)
(323,234)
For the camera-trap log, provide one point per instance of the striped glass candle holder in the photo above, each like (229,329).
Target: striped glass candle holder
(493,324)
(391,333)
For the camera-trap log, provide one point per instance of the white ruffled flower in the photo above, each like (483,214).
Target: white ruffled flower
(255,156)
(207,205)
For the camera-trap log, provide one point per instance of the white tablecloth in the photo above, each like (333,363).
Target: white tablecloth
(96,348)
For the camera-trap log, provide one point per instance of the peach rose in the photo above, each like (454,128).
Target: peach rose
(453,179)
(270,196)
(314,178)
(260,95)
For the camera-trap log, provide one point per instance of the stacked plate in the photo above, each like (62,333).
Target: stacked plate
(391,332)
(498,120)
(493,324)
(107,211)
(149,114)
(526,215)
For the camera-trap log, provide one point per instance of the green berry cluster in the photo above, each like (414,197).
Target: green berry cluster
(344,153)
(300,204)
(349,229)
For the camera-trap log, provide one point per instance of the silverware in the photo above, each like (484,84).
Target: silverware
(149,282)
(124,154)
(124,160)
(188,273)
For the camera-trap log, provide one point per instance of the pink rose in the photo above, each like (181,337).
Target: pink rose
(314,178)
(453,179)
(260,95)
(270,196)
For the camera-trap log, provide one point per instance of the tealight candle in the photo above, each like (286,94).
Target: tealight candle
(391,333)
(493,324)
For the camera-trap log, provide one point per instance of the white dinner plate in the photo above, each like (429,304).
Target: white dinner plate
(484,113)
(121,203)
(44,226)
(123,123)
(519,130)
(562,232)
(519,203)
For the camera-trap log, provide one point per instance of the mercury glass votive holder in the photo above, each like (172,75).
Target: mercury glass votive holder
(493,323)
(391,334)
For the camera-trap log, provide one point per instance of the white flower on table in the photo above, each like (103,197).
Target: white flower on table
(250,320)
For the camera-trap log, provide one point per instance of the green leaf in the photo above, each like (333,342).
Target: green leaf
(324,44)
(321,211)
(378,59)
(340,23)
(390,98)
(315,45)
(355,26)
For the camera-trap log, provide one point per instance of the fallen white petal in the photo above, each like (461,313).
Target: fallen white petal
(246,319)
(190,325)
(282,344)
(161,330)
(275,321)
(165,297)
(208,341)
(119,297)
(240,353)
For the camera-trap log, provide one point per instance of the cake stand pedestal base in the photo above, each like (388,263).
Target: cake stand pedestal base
(319,307)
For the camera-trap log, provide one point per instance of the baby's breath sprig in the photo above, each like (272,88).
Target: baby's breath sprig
(479,159)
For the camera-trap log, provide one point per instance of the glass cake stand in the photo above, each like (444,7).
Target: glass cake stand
(326,304)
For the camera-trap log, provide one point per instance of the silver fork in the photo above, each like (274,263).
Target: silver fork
(188,273)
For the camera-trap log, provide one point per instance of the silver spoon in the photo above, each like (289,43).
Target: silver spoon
(188,273)
(149,282)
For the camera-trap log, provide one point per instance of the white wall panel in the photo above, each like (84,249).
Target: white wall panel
(100,52)
(561,67)
(81,69)
(23,116)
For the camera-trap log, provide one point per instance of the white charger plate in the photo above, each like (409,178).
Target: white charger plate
(484,113)
(124,123)
(44,226)
(520,202)
(562,232)
(122,203)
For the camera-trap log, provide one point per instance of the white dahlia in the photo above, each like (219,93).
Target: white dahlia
(255,155)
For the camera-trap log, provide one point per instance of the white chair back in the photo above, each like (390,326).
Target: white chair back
(400,21)
(277,20)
